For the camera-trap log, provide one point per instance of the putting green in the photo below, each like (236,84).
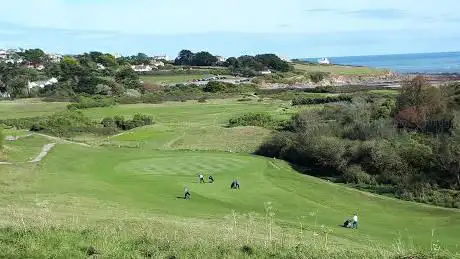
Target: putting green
(189,164)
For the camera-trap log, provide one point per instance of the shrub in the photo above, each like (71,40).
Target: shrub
(21,123)
(2,139)
(355,174)
(119,122)
(64,124)
(317,77)
(202,99)
(302,100)
(133,93)
(259,119)
(108,122)
(83,102)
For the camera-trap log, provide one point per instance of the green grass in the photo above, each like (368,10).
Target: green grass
(171,79)
(339,70)
(123,198)
(24,149)
(385,92)
(29,108)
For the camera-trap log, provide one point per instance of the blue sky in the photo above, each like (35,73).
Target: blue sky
(292,28)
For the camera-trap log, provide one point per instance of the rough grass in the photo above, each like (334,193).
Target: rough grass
(29,108)
(339,70)
(171,79)
(122,199)
(24,149)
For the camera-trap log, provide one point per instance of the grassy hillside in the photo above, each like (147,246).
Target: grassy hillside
(122,199)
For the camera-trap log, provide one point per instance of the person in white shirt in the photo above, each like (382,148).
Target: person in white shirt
(355,221)
(201,178)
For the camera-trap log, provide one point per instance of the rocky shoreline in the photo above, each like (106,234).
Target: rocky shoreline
(389,80)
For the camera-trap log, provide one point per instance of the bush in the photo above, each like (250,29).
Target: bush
(317,77)
(64,124)
(202,99)
(119,122)
(252,119)
(302,100)
(355,174)
(21,123)
(83,102)
(108,122)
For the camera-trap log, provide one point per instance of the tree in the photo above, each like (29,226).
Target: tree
(449,161)
(251,62)
(423,107)
(95,55)
(273,61)
(203,58)
(34,55)
(108,61)
(231,62)
(128,77)
(184,58)
(17,86)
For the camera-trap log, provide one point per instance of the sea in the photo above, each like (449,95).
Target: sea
(429,63)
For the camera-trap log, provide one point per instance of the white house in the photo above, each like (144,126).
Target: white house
(163,57)
(157,63)
(324,61)
(220,59)
(3,54)
(142,68)
(14,60)
(55,58)
(284,58)
(42,84)
(100,66)
(265,72)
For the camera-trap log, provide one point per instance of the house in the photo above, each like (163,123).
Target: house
(14,60)
(220,59)
(100,66)
(55,58)
(4,95)
(43,83)
(142,68)
(36,66)
(265,72)
(324,61)
(163,57)
(157,63)
(3,54)
(284,58)
(116,55)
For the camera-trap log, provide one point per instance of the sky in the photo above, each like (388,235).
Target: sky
(290,28)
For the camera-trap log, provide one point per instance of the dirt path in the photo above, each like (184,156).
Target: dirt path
(63,140)
(46,148)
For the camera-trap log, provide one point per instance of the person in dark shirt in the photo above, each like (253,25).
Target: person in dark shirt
(186,194)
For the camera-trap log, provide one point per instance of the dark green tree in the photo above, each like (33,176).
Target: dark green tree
(184,58)
(34,55)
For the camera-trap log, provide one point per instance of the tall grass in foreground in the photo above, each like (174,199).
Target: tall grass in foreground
(235,236)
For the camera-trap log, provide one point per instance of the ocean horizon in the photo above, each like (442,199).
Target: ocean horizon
(433,63)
